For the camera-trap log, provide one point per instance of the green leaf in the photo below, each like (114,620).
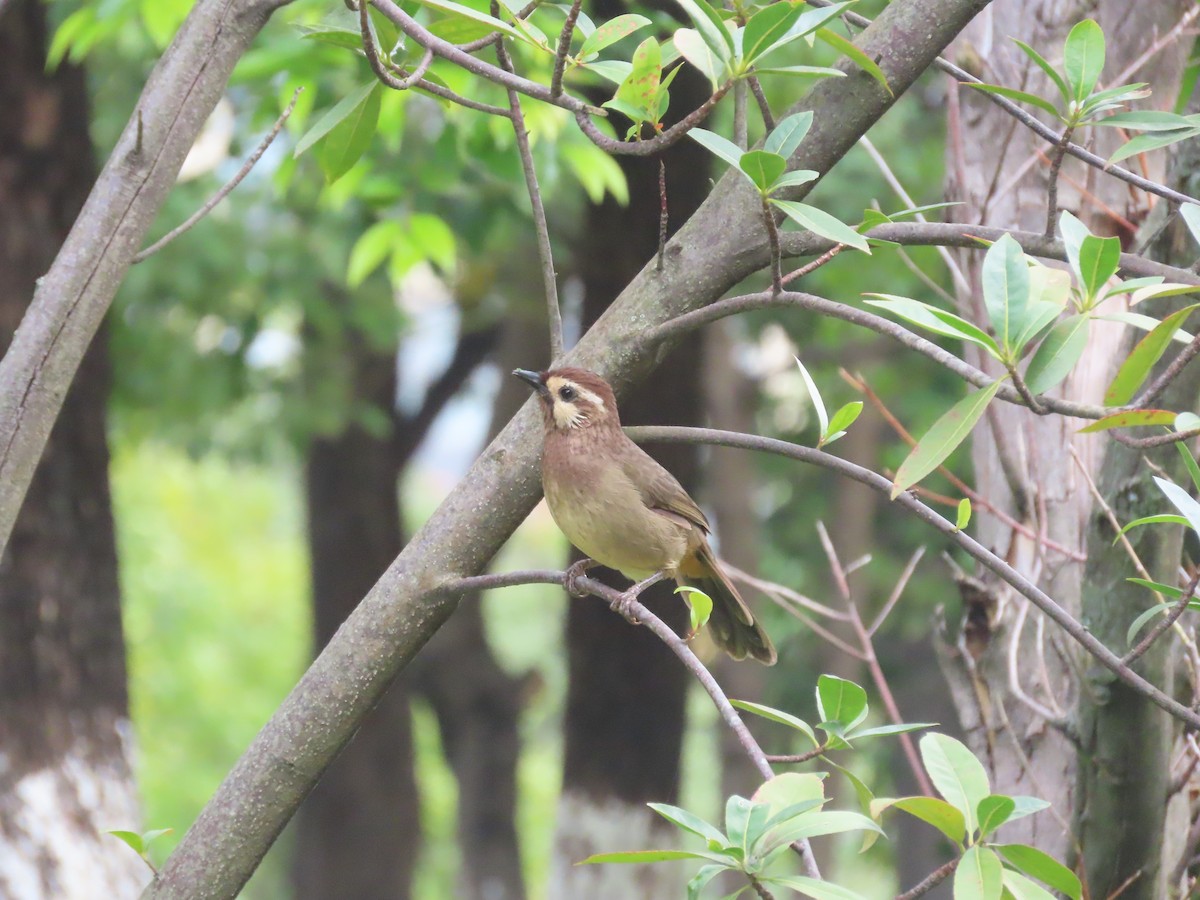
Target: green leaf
(371,249)
(842,701)
(795,178)
(434,239)
(692,47)
(786,137)
(886,730)
(1159,609)
(1181,500)
(956,773)
(738,811)
(779,716)
(1027,806)
(840,421)
(818,403)
(1148,120)
(1006,289)
(1057,354)
(963,517)
(1191,217)
(700,606)
(816,824)
(808,22)
(1144,143)
(855,55)
(1133,418)
(1186,421)
(638,93)
(1018,96)
(1021,888)
(643,856)
(931,810)
(939,321)
(993,811)
(350,137)
(820,222)
(1083,58)
(940,441)
(790,794)
(701,879)
(1043,867)
(334,116)
(1148,351)
(1161,519)
(1099,259)
(1134,284)
(801,71)
(811,887)
(1165,589)
(711,27)
(132,838)
(466,12)
(762,168)
(1057,80)
(1189,462)
(689,822)
(1145,323)
(610,32)
(717,145)
(765,28)
(979,875)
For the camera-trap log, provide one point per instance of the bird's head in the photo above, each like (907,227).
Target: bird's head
(572,398)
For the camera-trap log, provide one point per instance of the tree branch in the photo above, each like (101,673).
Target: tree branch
(226,189)
(74,294)
(1000,567)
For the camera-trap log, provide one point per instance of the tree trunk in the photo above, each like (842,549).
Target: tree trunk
(64,713)
(986,158)
(625,700)
(358,832)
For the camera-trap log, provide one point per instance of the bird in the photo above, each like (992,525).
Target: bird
(623,510)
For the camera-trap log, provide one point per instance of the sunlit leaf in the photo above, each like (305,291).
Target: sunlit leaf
(1043,867)
(820,222)
(842,701)
(690,822)
(979,876)
(931,810)
(762,168)
(1005,289)
(811,887)
(700,606)
(1083,58)
(610,32)
(963,516)
(993,811)
(779,716)
(956,773)
(1133,418)
(941,440)
(1148,351)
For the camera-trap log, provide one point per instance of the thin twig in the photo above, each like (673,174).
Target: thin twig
(1035,406)
(656,144)
(381,66)
(768,300)
(1039,128)
(897,591)
(226,189)
(794,758)
(936,877)
(911,504)
(813,265)
(1165,622)
(541,228)
(1158,440)
(773,242)
(764,108)
(1060,151)
(564,48)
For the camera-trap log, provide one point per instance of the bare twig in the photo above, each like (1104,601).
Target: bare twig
(564,48)
(764,108)
(897,591)
(1035,406)
(226,188)
(936,877)
(380,66)
(1039,128)
(1158,440)
(794,758)
(1056,161)
(813,265)
(541,228)
(990,560)
(656,144)
(773,241)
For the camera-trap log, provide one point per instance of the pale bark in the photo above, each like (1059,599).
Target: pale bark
(993,167)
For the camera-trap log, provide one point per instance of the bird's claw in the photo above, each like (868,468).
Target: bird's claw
(575,571)
(624,605)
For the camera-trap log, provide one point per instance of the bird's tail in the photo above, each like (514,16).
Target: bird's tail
(732,624)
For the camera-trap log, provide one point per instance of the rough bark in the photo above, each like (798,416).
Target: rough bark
(717,247)
(358,833)
(987,155)
(64,715)
(72,296)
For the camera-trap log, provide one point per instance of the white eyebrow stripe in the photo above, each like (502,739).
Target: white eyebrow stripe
(591,397)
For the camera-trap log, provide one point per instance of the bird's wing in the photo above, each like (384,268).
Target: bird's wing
(659,488)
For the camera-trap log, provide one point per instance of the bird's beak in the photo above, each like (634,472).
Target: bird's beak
(533,379)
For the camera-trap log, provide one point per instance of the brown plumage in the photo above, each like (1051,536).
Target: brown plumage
(624,510)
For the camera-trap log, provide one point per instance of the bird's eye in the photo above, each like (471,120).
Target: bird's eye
(567,393)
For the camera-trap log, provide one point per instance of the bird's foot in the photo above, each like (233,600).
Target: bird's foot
(576,571)
(624,605)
